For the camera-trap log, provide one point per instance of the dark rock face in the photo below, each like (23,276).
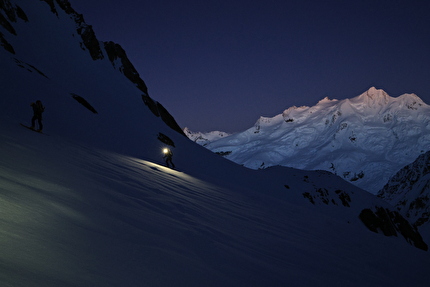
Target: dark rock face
(165,139)
(29,67)
(5,44)
(89,40)
(409,190)
(12,13)
(339,197)
(115,52)
(390,223)
(168,119)
(84,102)
(84,30)
(116,55)
(6,24)
(52,5)
(151,104)
(158,110)
(377,219)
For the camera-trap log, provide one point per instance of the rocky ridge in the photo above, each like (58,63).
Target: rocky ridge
(98,50)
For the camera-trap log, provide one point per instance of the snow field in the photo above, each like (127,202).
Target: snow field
(73,215)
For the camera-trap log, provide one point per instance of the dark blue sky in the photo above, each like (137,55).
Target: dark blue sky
(220,65)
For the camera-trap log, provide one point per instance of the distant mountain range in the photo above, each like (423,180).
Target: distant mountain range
(364,140)
(204,138)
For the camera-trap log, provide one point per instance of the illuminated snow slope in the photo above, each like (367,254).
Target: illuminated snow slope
(365,140)
(74,215)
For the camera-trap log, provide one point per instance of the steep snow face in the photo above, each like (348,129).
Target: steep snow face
(365,140)
(53,61)
(409,191)
(204,138)
(75,215)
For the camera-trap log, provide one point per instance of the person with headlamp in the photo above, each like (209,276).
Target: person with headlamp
(168,157)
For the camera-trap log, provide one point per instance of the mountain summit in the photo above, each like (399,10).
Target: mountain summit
(365,140)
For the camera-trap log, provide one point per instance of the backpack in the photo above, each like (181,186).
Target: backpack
(38,108)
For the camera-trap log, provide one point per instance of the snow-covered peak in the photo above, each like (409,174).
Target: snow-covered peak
(377,99)
(204,138)
(371,102)
(365,139)
(326,100)
(412,101)
(373,95)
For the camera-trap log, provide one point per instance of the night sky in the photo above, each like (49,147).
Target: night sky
(220,65)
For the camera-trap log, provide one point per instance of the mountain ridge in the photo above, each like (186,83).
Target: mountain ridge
(204,138)
(351,137)
(98,50)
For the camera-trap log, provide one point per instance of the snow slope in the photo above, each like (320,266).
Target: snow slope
(204,138)
(74,215)
(365,140)
(90,204)
(52,64)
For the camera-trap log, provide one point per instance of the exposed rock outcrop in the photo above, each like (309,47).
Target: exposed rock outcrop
(390,223)
(89,39)
(409,190)
(84,102)
(118,57)
(11,14)
(5,44)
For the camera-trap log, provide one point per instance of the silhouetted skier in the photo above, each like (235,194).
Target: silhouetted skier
(38,109)
(168,157)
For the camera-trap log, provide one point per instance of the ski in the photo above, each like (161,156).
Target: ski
(34,130)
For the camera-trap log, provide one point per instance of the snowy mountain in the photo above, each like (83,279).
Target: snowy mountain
(365,140)
(409,191)
(90,203)
(204,138)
